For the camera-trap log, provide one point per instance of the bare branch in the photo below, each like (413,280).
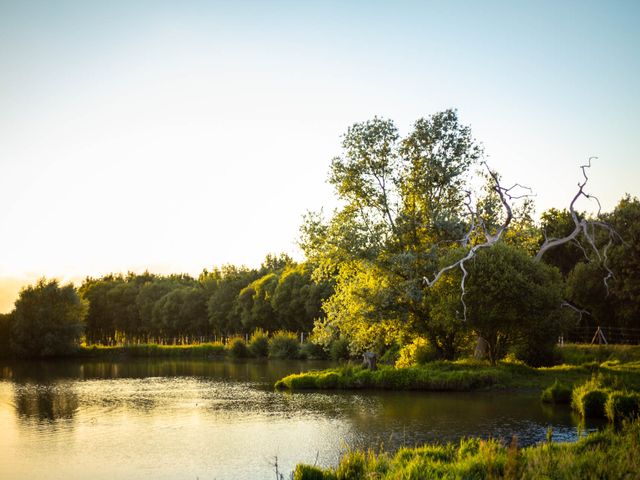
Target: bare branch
(579,311)
(490,239)
(582,228)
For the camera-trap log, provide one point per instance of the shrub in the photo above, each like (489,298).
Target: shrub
(589,398)
(622,406)
(309,472)
(391,354)
(312,351)
(284,345)
(238,349)
(339,349)
(418,352)
(259,343)
(352,466)
(557,393)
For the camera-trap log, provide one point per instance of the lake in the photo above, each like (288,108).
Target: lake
(210,419)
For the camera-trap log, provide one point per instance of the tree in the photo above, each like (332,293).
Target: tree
(625,261)
(48,320)
(559,224)
(512,301)
(5,333)
(181,314)
(226,283)
(403,200)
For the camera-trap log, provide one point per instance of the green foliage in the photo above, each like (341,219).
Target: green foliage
(259,344)
(401,197)
(48,320)
(238,348)
(557,393)
(391,354)
(435,377)
(622,406)
(339,349)
(284,345)
(5,334)
(620,305)
(559,224)
(203,350)
(309,472)
(589,398)
(225,285)
(513,300)
(352,466)
(574,354)
(417,352)
(313,351)
(607,454)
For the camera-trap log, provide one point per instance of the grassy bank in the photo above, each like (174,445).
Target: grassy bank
(203,350)
(461,375)
(452,376)
(607,454)
(580,354)
(279,345)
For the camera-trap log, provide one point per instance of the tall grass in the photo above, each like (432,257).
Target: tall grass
(578,354)
(607,454)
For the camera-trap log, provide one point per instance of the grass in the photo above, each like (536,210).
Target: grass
(461,375)
(445,376)
(202,350)
(607,454)
(557,393)
(580,354)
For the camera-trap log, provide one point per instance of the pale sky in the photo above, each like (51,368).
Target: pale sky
(174,136)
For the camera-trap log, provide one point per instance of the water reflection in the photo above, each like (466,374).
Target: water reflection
(45,402)
(214,419)
(261,371)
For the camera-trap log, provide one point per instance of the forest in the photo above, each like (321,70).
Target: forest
(427,252)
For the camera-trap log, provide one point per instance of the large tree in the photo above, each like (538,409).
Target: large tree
(48,320)
(403,200)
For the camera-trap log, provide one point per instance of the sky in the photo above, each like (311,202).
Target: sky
(175,136)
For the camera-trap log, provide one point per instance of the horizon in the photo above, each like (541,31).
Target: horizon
(177,137)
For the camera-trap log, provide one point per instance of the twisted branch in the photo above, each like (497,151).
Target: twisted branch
(584,229)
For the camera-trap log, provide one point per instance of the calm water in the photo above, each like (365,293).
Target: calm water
(190,419)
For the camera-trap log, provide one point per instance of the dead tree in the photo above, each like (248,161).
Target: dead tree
(584,231)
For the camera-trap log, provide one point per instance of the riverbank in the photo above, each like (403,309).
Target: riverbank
(621,363)
(203,350)
(604,454)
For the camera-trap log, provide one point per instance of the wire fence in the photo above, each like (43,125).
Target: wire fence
(603,334)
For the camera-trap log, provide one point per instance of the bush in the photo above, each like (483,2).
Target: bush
(418,352)
(352,466)
(284,345)
(557,393)
(589,398)
(312,351)
(238,349)
(309,472)
(339,349)
(259,343)
(391,354)
(622,406)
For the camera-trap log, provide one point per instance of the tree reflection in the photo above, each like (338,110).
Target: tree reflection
(45,402)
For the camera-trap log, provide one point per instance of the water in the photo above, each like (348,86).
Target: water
(191,419)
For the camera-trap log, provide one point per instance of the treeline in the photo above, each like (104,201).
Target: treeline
(180,309)
(51,319)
